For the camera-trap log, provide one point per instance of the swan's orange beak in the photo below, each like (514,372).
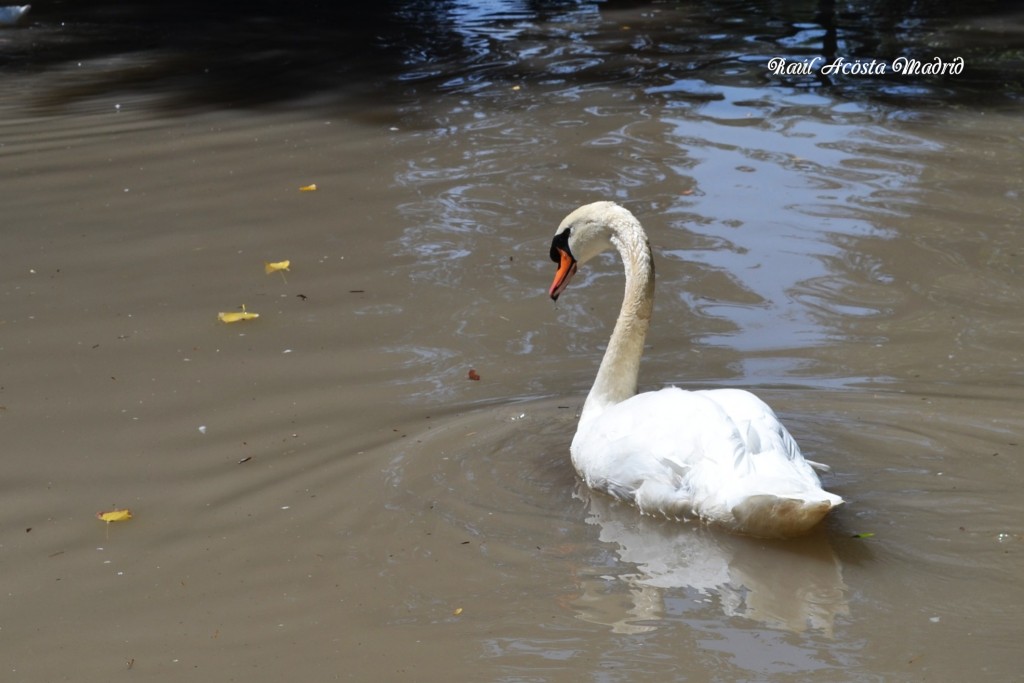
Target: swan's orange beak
(566,269)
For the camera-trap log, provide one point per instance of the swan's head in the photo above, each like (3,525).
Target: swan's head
(581,236)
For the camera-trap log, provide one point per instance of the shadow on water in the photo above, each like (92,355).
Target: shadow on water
(263,53)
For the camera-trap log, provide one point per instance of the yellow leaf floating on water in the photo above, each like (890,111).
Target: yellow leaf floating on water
(457,611)
(276,266)
(114,515)
(236,316)
(308,188)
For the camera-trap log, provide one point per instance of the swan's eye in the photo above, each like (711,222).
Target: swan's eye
(560,244)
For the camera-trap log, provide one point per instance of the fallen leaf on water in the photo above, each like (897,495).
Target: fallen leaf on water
(457,612)
(308,188)
(473,375)
(276,266)
(114,515)
(867,534)
(236,316)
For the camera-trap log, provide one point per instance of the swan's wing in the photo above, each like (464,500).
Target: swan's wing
(668,440)
(755,420)
(678,451)
(777,467)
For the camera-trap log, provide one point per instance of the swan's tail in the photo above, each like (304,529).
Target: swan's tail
(771,516)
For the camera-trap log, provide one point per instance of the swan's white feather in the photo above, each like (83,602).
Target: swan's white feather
(720,455)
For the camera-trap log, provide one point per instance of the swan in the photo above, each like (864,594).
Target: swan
(720,455)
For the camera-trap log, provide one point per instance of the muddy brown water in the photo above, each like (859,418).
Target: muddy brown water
(323,494)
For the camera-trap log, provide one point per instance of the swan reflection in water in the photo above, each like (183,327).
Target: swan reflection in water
(795,584)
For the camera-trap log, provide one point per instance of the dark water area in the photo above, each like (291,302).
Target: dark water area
(261,53)
(327,492)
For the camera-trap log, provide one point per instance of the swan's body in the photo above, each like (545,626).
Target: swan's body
(720,455)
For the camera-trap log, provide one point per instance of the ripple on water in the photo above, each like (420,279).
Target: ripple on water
(500,476)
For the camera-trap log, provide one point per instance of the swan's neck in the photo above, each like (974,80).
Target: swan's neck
(617,377)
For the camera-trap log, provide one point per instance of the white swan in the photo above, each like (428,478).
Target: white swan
(720,455)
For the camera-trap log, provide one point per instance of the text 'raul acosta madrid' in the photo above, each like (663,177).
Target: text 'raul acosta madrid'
(904,66)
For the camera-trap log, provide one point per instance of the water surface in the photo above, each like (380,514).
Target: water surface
(324,493)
